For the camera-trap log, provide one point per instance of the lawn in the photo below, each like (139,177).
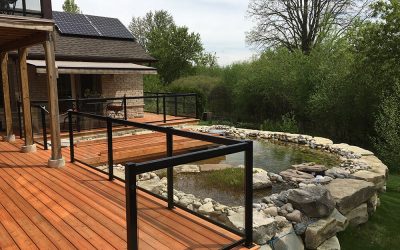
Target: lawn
(383,229)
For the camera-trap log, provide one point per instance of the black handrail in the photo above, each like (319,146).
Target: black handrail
(229,146)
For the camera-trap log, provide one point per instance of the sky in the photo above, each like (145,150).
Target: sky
(222,24)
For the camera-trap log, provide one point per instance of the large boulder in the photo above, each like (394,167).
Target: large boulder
(323,229)
(358,215)
(331,244)
(264,227)
(296,176)
(214,167)
(261,180)
(350,193)
(378,179)
(314,202)
(287,240)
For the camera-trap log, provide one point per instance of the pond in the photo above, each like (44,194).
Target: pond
(226,186)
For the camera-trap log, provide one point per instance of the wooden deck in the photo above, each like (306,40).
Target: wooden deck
(136,148)
(77,208)
(151,118)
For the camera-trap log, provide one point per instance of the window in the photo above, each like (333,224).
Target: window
(90,86)
(64,87)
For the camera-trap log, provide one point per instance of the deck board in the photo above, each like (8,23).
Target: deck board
(78,208)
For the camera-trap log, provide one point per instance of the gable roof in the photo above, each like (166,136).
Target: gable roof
(110,44)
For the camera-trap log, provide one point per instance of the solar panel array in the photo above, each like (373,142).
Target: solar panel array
(94,26)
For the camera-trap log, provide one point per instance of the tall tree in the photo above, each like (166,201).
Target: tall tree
(178,51)
(71,7)
(301,24)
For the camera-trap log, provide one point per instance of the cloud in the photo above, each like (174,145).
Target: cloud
(221,23)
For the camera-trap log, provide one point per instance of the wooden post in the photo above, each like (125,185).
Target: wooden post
(26,102)
(56,159)
(10,137)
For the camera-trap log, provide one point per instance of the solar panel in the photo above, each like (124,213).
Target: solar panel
(86,25)
(110,27)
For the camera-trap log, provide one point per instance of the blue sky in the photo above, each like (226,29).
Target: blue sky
(221,23)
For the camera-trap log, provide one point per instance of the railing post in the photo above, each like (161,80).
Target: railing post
(125,109)
(170,170)
(176,105)
(195,107)
(164,110)
(248,222)
(110,149)
(71,137)
(19,120)
(158,105)
(44,128)
(131,207)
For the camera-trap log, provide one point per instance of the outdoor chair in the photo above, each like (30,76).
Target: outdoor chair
(115,109)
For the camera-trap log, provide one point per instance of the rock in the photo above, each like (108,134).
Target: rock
(264,227)
(378,179)
(314,202)
(322,179)
(185,201)
(300,228)
(261,180)
(350,193)
(323,229)
(358,215)
(288,207)
(294,216)
(214,167)
(322,141)
(152,185)
(295,176)
(272,211)
(330,244)
(288,240)
(310,168)
(207,208)
(186,169)
(337,172)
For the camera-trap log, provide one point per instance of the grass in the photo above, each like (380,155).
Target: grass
(231,178)
(383,229)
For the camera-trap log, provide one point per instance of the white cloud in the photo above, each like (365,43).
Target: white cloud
(221,23)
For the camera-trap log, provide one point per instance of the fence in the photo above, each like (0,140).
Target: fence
(172,107)
(227,146)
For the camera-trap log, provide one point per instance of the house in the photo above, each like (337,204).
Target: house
(95,57)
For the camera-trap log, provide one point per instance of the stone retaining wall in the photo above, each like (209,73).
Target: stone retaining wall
(325,202)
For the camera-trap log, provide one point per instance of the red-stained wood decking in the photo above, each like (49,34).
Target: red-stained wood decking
(78,208)
(136,148)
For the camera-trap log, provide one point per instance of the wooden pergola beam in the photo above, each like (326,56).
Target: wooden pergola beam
(56,159)
(10,137)
(26,102)
(28,41)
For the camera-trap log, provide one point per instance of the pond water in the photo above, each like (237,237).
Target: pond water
(226,186)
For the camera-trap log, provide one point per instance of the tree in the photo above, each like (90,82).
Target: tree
(178,51)
(301,24)
(71,7)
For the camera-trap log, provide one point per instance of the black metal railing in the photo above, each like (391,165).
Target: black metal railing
(165,104)
(226,146)
(36,8)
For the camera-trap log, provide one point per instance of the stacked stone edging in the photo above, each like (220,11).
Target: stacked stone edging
(352,196)
(309,216)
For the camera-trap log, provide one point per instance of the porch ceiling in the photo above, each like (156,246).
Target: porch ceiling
(18,32)
(71,67)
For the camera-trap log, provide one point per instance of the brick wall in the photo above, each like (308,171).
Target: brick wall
(129,85)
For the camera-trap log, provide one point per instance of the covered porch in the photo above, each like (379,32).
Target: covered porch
(18,33)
